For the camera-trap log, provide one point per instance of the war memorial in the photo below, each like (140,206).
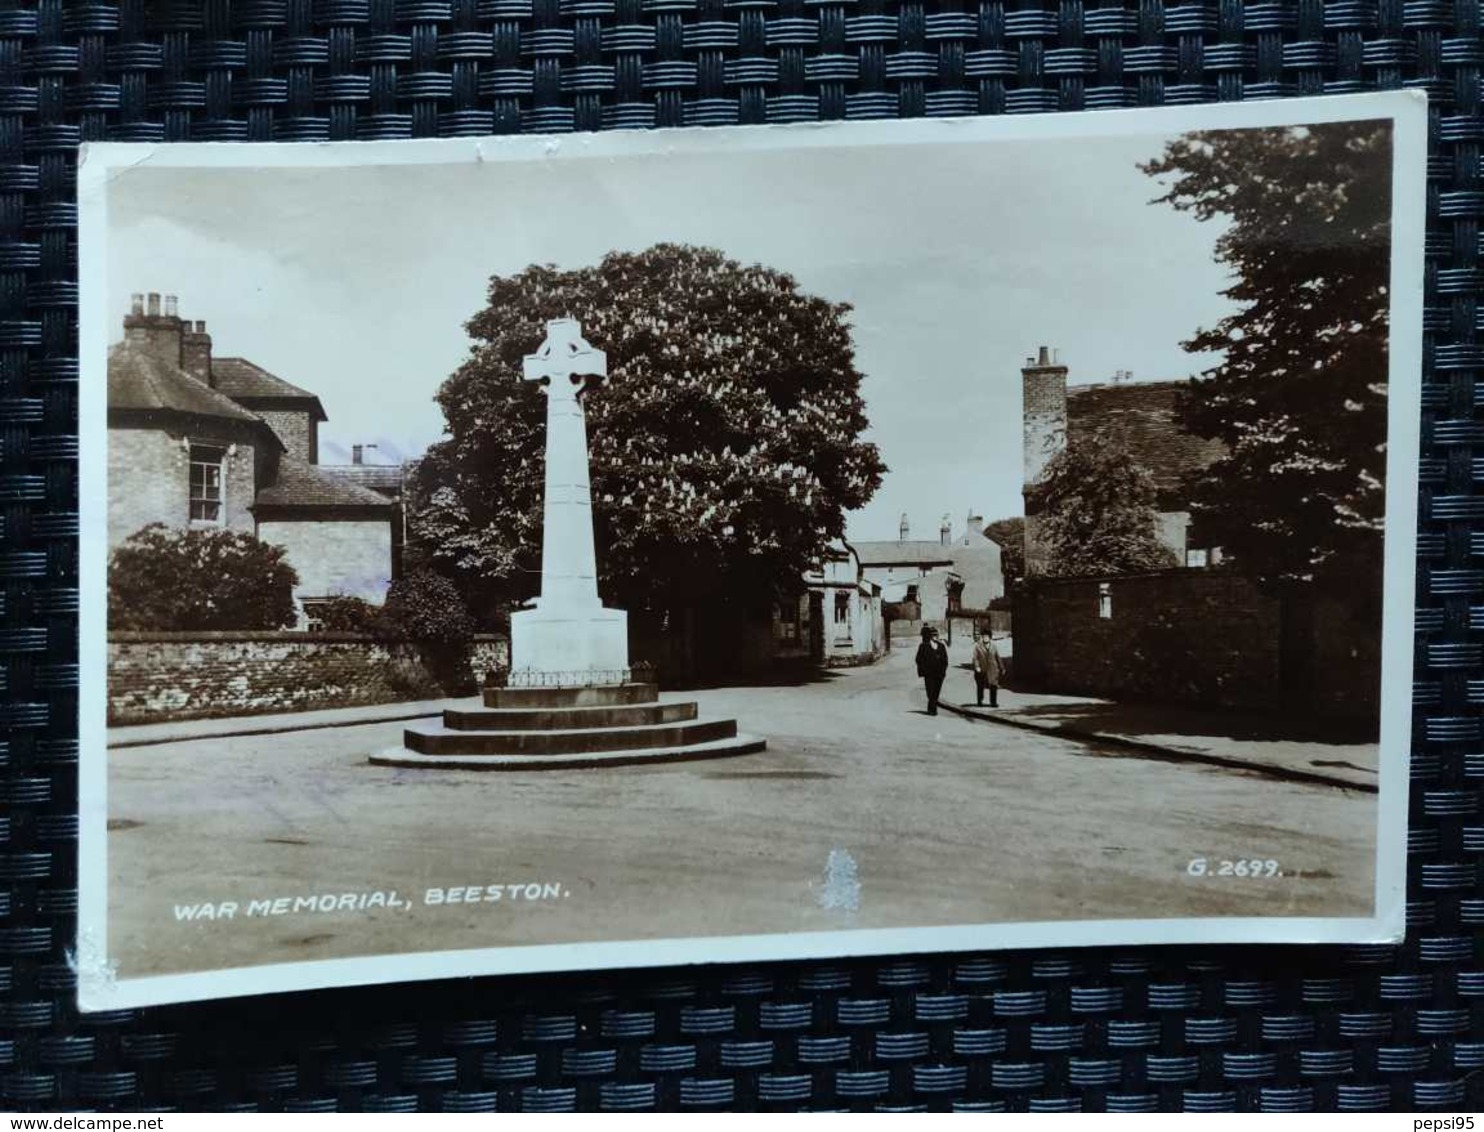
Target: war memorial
(571,699)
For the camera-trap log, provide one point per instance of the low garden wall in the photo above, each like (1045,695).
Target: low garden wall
(165,676)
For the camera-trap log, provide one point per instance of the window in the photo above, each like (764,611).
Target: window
(842,608)
(1105,600)
(788,623)
(206,484)
(1195,558)
(314,612)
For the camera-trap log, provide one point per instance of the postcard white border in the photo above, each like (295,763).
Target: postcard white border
(100,989)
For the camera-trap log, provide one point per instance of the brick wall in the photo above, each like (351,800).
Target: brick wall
(1044,388)
(163,676)
(1202,637)
(351,557)
(149,481)
(297,429)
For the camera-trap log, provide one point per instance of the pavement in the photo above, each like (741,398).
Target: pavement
(1250,742)
(187,730)
(941,820)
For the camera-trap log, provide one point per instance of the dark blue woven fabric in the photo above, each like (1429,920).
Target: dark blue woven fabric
(1198,1029)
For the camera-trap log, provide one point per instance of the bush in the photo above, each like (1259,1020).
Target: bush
(168,579)
(427,608)
(345,614)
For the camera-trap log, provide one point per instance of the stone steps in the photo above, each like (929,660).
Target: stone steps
(435,739)
(589,760)
(533,719)
(601,695)
(575,727)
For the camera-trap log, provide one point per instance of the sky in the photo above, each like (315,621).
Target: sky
(959,260)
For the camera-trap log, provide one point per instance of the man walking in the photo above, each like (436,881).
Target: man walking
(988,668)
(932,666)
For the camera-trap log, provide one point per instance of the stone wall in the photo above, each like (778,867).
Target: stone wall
(149,481)
(164,676)
(1199,637)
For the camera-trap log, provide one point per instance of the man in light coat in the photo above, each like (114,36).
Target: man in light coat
(988,668)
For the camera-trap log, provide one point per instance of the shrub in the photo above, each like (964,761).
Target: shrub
(164,578)
(427,608)
(345,614)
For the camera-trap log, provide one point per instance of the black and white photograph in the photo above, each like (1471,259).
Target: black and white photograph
(587,551)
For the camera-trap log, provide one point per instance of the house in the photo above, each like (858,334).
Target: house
(1141,415)
(205,442)
(852,630)
(942,575)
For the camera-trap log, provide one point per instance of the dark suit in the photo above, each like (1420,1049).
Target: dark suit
(932,666)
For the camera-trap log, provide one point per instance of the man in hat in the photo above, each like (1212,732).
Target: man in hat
(988,668)
(932,666)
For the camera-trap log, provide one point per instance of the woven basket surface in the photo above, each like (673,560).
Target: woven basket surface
(1293,1028)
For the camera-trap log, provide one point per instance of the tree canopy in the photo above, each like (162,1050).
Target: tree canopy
(1098,512)
(724,450)
(1300,395)
(162,578)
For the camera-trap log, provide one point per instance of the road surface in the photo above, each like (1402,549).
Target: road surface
(927,820)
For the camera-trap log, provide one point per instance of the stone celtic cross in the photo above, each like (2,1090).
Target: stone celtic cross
(568,630)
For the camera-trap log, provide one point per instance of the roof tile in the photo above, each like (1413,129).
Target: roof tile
(1142,414)
(303,485)
(141,381)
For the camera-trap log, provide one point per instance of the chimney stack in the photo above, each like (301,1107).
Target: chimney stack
(151,332)
(357,453)
(195,350)
(1045,412)
(902,528)
(945,532)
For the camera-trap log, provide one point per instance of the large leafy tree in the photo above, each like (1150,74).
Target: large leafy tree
(164,578)
(724,450)
(1300,395)
(1098,512)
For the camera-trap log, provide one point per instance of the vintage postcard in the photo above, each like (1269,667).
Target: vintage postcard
(649,548)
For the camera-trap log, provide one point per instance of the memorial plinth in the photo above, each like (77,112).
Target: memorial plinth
(572,702)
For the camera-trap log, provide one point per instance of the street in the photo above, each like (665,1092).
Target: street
(945,820)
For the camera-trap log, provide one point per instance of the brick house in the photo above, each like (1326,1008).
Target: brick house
(1141,415)
(198,441)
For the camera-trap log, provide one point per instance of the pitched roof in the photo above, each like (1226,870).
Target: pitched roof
(913,552)
(1142,415)
(141,381)
(303,485)
(242,380)
(376,477)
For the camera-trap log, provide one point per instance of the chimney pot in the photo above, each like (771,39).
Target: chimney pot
(170,306)
(154,304)
(1043,356)
(136,303)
